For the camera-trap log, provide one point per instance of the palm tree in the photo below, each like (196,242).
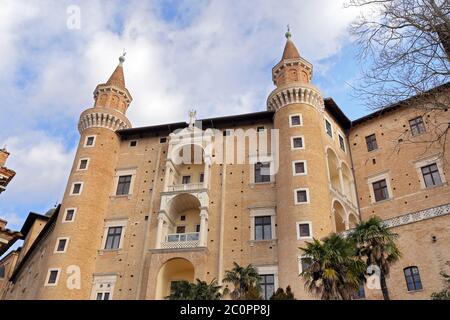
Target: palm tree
(376,243)
(334,273)
(281,295)
(201,290)
(246,282)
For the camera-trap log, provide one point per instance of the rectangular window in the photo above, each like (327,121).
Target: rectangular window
(380,190)
(163,140)
(2,272)
(297,143)
(295,120)
(186,179)
(83,164)
(181,229)
(263,228)
(61,245)
(70,213)
(103,296)
(412,277)
(417,126)
(90,141)
(329,128)
(299,168)
(301,196)
(113,238)
(342,143)
(202,177)
(267,285)
(303,230)
(52,277)
(76,188)
(431,176)
(123,185)
(304,264)
(197,228)
(262,172)
(371,142)
(133,143)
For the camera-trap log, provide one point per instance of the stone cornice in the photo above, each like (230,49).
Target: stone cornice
(102,119)
(295,93)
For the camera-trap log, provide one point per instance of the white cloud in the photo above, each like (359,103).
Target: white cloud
(214,56)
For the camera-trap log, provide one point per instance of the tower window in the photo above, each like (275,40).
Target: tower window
(61,245)
(113,238)
(304,230)
(263,228)
(123,186)
(163,140)
(70,213)
(431,176)
(52,277)
(417,126)
(133,143)
(380,190)
(267,285)
(90,141)
(301,196)
(262,172)
(412,277)
(2,272)
(299,168)
(371,142)
(342,143)
(328,128)
(83,164)
(295,120)
(202,177)
(76,188)
(297,143)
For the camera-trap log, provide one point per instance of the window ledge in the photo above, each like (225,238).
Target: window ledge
(265,241)
(128,196)
(382,201)
(106,251)
(253,184)
(414,291)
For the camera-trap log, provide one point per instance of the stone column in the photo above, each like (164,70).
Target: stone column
(206,173)
(203,238)
(167,175)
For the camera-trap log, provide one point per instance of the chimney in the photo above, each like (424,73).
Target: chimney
(3,156)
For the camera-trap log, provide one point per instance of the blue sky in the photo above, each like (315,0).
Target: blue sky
(214,56)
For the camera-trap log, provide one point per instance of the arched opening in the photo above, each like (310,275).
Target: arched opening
(352,220)
(338,216)
(333,171)
(189,168)
(183,226)
(347,182)
(177,269)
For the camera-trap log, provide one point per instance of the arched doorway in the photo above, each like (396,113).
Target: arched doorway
(173,270)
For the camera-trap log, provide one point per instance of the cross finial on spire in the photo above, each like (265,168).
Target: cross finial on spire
(192,118)
(288,33)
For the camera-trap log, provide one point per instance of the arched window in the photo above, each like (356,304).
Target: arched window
(412,277)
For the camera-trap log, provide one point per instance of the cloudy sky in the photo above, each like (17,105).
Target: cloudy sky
(213,56)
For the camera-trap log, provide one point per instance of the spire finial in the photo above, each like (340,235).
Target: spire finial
(288,33)
(122,57)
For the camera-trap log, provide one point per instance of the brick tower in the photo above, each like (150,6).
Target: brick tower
(305,141)
(90,185)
